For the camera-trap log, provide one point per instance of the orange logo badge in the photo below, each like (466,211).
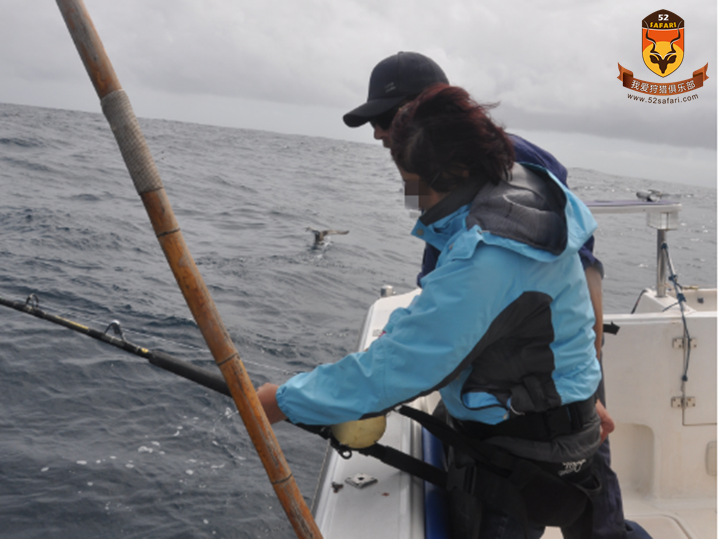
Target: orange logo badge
(663,42)
(663,50)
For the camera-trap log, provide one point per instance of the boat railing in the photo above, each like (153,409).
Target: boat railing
(662,215)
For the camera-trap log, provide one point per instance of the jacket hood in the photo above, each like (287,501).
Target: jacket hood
(532,213)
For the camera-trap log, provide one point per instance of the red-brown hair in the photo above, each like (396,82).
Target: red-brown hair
(443,133)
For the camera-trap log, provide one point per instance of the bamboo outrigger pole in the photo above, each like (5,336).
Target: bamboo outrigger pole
(140,164)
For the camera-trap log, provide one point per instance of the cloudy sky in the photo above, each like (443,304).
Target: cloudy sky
(295,66)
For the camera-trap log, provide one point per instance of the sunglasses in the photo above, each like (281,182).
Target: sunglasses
(384,121)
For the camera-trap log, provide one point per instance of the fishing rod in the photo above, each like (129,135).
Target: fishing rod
(163,360)
(211,380)
(135,152)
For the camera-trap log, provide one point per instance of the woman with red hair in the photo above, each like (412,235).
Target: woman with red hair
(513,222)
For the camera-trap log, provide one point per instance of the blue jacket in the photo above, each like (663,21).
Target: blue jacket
(528,153)
(495,329)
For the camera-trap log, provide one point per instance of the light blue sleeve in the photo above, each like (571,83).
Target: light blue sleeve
(422,348)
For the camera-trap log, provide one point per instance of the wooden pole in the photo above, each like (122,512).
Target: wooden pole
(142,169)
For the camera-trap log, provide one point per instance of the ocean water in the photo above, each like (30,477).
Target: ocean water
(95,442)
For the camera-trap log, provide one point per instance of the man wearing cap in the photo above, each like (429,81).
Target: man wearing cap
(399,79)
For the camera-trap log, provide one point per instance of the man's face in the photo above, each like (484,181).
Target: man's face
(382,134)
(381,125)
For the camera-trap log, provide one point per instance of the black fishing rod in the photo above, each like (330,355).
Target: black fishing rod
(388,455)
(158,358)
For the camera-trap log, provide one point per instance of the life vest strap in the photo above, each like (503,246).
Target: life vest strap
(538,426)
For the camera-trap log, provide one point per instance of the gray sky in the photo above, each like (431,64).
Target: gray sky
(296,66)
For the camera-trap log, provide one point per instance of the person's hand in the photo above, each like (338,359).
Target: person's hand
(266,394)
(607,425)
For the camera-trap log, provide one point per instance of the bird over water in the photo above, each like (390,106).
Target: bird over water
(320,234)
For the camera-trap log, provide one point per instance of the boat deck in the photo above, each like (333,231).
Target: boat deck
(694,518)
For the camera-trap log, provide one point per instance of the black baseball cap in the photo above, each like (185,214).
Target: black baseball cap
(393,80)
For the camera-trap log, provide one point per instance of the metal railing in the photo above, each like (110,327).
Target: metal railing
(662,215)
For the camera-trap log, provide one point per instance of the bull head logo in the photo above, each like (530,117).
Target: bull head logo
(663,42)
